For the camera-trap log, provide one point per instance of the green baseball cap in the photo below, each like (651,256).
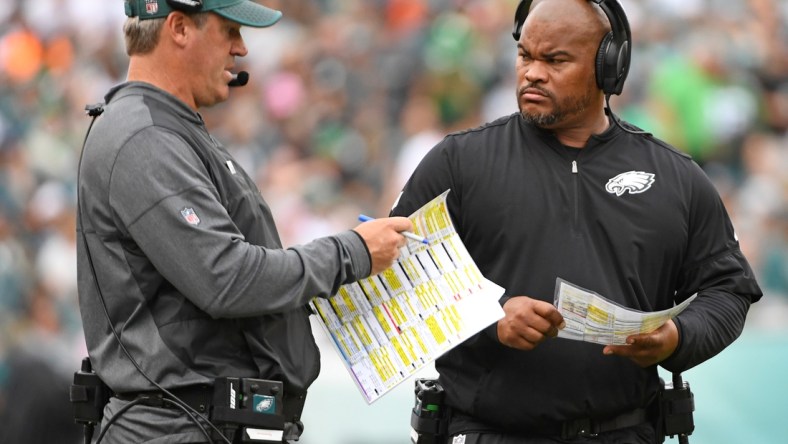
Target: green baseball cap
(244,12)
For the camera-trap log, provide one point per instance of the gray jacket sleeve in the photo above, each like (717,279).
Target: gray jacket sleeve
(163,198)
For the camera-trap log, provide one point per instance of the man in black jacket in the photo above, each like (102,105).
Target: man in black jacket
(563,190)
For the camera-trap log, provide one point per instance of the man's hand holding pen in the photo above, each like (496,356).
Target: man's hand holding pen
(384,238)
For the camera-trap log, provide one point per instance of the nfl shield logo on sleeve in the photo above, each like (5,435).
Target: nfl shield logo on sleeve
(190,216)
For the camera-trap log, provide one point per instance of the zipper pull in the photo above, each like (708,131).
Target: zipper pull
(574,167)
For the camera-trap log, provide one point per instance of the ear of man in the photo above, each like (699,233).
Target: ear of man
(178,26)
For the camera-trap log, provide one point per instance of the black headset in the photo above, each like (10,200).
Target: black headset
(185,5)
(612,57)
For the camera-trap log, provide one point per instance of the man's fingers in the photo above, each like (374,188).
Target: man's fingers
(400,224)
(524,340)
(550,313)
(384,238)
(643,349)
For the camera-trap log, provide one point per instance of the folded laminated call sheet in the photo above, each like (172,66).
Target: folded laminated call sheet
(592,318)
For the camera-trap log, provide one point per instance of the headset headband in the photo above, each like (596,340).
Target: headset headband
(614,55)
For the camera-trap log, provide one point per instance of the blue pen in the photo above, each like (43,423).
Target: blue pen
(408,234)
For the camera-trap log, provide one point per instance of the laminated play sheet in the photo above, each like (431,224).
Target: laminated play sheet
(390,325)
(591,317)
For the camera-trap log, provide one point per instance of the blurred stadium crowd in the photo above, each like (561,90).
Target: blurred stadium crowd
(345,97)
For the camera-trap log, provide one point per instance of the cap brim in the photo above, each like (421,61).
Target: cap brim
(249,13)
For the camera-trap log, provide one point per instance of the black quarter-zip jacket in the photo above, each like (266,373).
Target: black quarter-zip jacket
(629,217)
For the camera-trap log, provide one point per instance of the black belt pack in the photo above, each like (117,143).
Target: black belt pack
(258,409)
(257,406)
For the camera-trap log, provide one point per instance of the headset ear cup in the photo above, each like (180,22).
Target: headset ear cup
(622,59)
(602,61)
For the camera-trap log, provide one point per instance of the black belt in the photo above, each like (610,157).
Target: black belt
(566,430)
(198,397)
(587,427)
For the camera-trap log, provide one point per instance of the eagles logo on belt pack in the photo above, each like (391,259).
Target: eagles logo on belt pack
(634,182)
(264,404)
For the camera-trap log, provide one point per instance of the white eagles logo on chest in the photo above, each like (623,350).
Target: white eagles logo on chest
(634,182)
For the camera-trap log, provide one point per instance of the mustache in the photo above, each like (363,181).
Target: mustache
(521,90)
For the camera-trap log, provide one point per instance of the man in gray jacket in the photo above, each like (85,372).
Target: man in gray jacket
(182,275)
